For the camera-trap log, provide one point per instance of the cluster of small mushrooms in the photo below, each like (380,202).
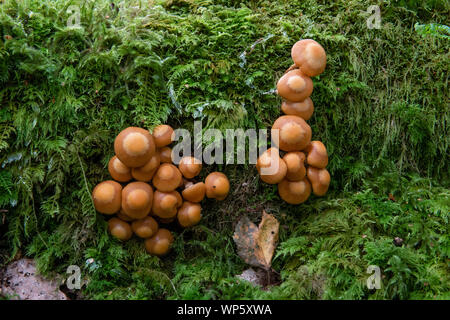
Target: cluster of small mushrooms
(303,166)
(151,199)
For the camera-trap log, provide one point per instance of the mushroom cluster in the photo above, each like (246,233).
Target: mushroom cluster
(302,168)
(148,189)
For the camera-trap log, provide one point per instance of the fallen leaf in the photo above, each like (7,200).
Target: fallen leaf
(256,245)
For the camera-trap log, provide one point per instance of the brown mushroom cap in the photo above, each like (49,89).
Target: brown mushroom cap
(163,135)
(320,180)
(165,154)
(190,167)
(137,199)
(303,109)
(309,56)
(165,204)
(118,170)
(194,192)
(134,146)
(119,229)
(145,228)
(167,178)
(107,196)
(294,192)
(271,168)
(217,186)
(294,133)
(189,214)
(295,86)
(146,172)
(295,162)
(160,243)
(317,154)
(122,216)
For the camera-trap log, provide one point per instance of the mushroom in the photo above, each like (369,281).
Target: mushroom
(118,170)
(119,229)
(165,154)
(295,86)
(163,135)
(107,196)
(194,192)
(122,216)
(189,214)
(320,180)
(217,186)
(271,168)
(317,154)
(295,162)
(160,243)
(134,146)
(137,199)
(165,204)
(294,133)
(309,56)
(146,172)
(303,109)
(167,178)
(145,228)
(166,220)
(190,167)
(294,192)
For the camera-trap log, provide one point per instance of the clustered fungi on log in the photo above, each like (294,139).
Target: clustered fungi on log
(302,169)
(140,206)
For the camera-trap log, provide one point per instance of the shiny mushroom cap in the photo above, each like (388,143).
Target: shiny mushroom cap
(119,229)
(294,192)
(271,168)
(107,196)
(320,180)
(190,167)
(189,214)
(145,228)
(317,154)
(122,216)
(134,146)
(295,162)
(217,186)
(295,86)
(146,172)
(309,56)
(167,178)
(194,192)
(163,135)
(303,109)
(294,133)
(118,170)
(165,154)
(160,243)
(137,199)
(165,204)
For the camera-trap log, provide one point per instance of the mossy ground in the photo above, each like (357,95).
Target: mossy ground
(381,109)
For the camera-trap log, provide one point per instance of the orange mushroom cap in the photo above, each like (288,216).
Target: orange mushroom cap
(271,168)
(165,154)
(122,216)
(160,243)
(165,204)
(118,170)
(190,167)
(295,162)
(294,133)
(320,180)
(194,192)
(163,135)
(137,199)
(107,196)
(295,86)
(145,228)
(303,109)
(294,192)
(217,186)
(119,229)
(189,214)
(317,154)
(134,146)
(167,178)
(309,56)
(146,172)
